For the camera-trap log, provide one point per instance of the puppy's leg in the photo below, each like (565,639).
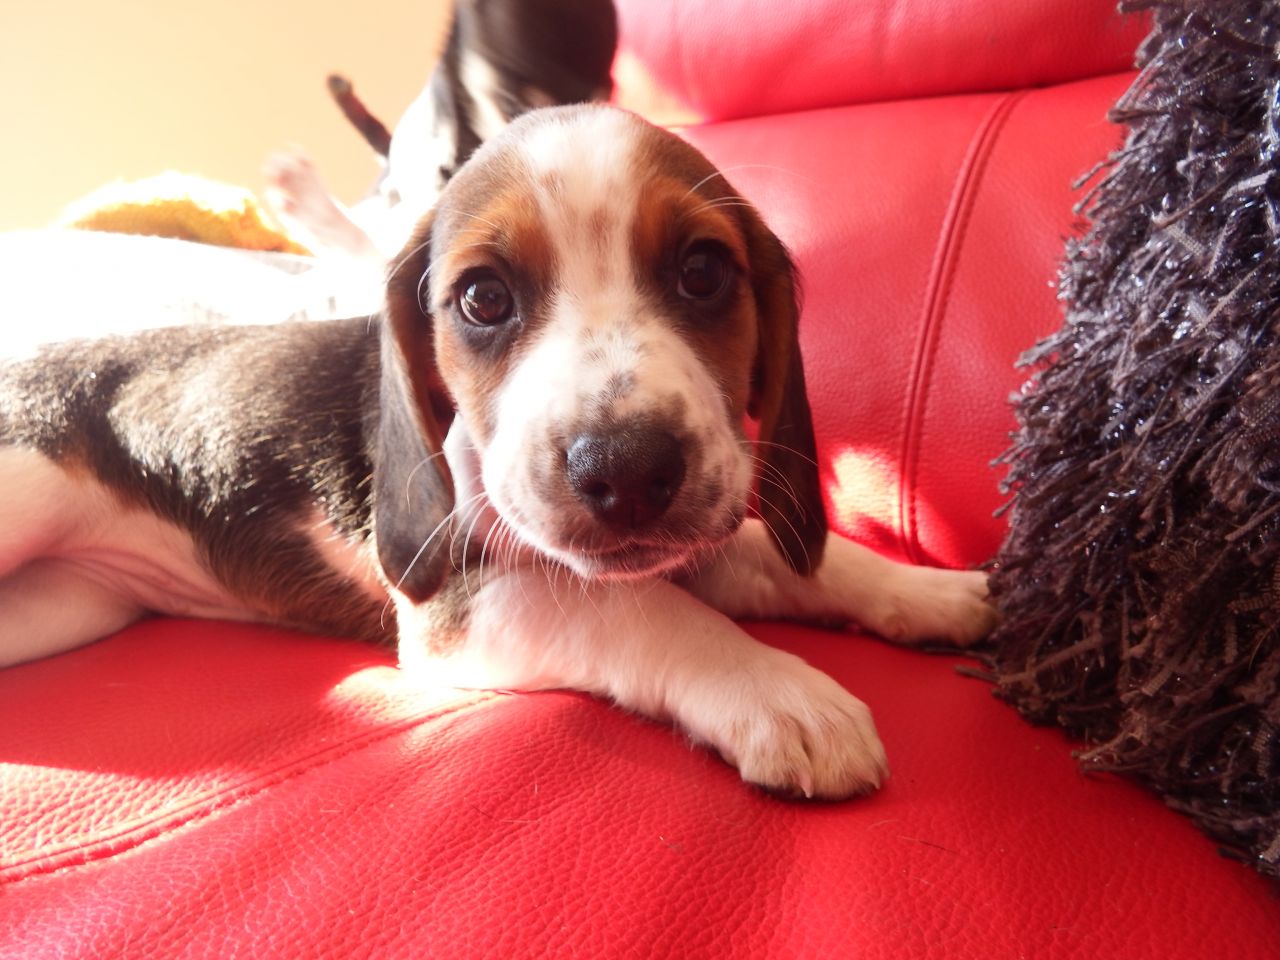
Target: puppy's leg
(38,505)
(900,602)
(653,648)
(49,607)
(46,606)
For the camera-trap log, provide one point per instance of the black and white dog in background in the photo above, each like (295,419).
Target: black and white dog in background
(502,58)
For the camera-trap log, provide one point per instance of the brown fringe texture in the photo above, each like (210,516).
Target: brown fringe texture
(1140,580)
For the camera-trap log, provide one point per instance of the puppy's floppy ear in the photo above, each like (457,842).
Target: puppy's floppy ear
(413,493)
(788,489)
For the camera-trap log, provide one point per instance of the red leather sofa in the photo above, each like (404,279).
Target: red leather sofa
(206,789)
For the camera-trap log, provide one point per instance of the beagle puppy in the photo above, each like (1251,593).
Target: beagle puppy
(501,58)
(531,470)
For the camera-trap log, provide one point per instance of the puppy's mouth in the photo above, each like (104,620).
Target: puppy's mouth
(632,560)
(638,558)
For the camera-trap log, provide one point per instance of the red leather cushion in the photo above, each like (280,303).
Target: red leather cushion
(683,61)
(245,791)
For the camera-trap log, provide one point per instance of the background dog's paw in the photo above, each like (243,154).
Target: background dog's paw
(299,198)
(793,730)
(926,603)
(293,185)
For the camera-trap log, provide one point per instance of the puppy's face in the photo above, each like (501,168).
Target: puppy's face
(599,298)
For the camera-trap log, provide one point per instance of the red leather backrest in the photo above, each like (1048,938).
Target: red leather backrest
(694,60)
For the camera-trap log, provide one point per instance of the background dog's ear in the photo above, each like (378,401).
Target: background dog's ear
(788,488)
(413,495)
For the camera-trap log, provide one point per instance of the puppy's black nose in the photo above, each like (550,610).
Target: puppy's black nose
(626,477)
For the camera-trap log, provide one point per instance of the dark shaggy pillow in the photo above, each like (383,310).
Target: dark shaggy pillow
(1140,581)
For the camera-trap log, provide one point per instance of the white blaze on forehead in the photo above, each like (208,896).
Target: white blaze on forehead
(582,169)
(583,174)
(594,147)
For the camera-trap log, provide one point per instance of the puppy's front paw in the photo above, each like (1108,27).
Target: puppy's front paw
(792,729)
(924,603)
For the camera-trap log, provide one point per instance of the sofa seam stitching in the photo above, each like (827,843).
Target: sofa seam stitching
(938,295)
(140,833)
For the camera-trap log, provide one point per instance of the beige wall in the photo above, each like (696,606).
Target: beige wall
(97,90)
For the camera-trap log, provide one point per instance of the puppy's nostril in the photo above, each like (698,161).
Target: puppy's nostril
(627,478)
(661,491)
(597,490)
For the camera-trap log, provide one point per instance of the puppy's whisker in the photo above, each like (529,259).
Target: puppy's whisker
(445,523)
(408,482)
(491,537)
(637,600)
(499,536)
(406,257)
(466,548)
(794,532)
(553,571)
(457,248)
(707,179)
(476,216)
(524,588)
(775,478)
(504,545)
(453,251)
(775,475)
(460,509)
(442,525)
(772,167)
(791,450)
(411,256)
(722,202)
(783,491)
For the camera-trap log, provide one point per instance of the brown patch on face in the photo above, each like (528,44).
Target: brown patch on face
(505,234)
(490,225)
(474,389)
(758,337)
(686,200)
(598,223)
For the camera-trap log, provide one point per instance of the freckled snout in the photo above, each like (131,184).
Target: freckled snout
(626,477)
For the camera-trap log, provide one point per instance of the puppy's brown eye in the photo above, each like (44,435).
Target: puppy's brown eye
(485,300)
(704,271)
